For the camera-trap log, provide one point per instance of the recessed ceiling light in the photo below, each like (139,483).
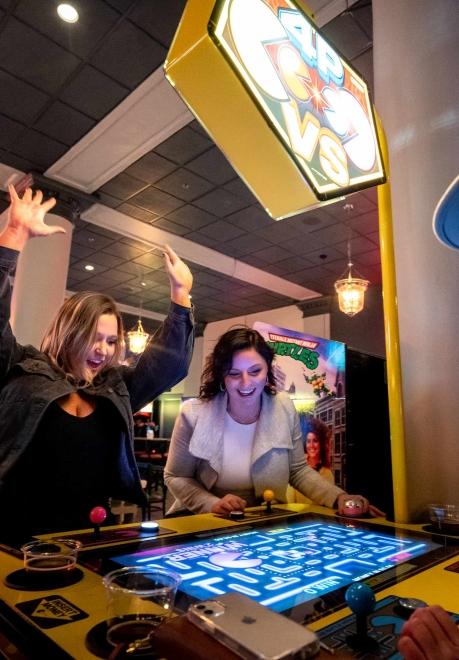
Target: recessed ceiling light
(89,267)
(143,283)
(67,12)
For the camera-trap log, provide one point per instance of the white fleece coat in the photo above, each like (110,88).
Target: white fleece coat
(196,453)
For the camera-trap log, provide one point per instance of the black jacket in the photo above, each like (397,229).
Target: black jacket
(29,383)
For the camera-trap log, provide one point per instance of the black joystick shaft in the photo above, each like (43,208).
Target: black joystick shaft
(361,600)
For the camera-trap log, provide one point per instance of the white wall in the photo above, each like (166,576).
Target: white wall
(417,95)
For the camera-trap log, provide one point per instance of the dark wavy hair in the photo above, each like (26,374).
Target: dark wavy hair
(219,362)
(311,424)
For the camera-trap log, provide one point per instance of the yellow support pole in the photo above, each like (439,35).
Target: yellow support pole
(394,375)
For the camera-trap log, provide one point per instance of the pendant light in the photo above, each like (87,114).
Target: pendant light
(350,289)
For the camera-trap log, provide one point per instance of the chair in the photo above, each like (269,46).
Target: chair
(153,477)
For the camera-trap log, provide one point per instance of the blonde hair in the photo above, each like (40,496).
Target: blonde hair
(73,331)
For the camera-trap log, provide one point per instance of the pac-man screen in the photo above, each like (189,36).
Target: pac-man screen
(285,565)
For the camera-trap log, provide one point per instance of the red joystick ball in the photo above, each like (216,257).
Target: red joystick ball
(97,515)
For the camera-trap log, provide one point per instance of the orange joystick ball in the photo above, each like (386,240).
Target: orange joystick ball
(268,496)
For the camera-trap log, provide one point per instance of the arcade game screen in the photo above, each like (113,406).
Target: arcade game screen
(298,568)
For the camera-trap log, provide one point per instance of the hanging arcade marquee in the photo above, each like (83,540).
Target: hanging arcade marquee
(292,116)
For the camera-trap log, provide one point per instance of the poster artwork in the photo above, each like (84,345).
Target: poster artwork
(312,370)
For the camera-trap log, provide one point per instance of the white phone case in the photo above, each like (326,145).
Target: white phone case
(253,631)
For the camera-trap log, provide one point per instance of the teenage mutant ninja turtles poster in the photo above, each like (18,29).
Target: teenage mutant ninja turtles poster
(312,371)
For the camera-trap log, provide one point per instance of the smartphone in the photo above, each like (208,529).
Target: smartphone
(252,630)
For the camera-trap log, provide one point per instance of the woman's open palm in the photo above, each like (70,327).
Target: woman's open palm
(27,214)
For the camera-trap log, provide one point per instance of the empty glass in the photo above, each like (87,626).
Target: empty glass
(139,600)
(50,556)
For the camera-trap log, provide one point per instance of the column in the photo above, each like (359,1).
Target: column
(417,96)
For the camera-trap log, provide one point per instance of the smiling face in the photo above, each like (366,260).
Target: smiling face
(246,378)
(312,448)
(102,350)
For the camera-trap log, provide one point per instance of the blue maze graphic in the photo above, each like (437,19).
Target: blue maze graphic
(281,567)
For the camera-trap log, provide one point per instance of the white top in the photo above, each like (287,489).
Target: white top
(237,453)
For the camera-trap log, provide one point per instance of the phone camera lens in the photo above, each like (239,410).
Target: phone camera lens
(208,611)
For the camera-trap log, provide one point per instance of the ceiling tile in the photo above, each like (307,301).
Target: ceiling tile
(221,231)
(196,126)
(38,148)
(347,35)
(20,100)
(43,63)
(160,18)
(150,260)
(213,166)
(95,20)
(79,251)
(332,234)
(370,258)
(238,187)
(202,239)
(107,200)
(128,55)
(291,265)
(278,232)
(247,243)
(250,218)
(191,217)
(123,186)
(9,131)
(220,202)
(184,185)
(124,251)
(303,242)
(135,212)
(105,259)
(183,146)
(365,223)
(168,225)
(93,93)
(156,201)
(359,244)
(117,275)
(63,123)
(272,254)
(91,239)
(324,255)
(151,168)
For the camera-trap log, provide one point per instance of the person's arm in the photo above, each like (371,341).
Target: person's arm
(25,219)
(429,634)
(181,466)
(167,357)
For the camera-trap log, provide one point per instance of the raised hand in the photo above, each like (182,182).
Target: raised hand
(26,217)
(180,277)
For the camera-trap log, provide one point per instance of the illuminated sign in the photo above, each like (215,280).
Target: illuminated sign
(290,114)
(313,99)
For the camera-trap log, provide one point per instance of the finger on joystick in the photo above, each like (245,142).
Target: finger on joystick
(268,496)
(361,600)
(97,516)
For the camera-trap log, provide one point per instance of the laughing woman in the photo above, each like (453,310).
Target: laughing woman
(66,427)
(240,437)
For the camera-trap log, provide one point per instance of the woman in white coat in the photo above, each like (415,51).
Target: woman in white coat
(240,437)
